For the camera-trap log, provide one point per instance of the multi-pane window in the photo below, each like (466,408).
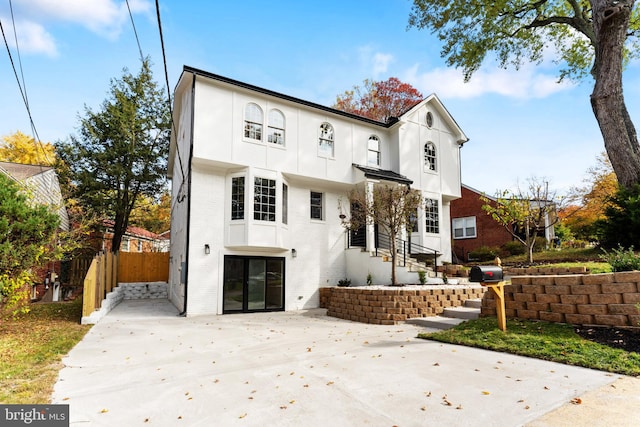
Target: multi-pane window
(430,157)
(325,140)
(464,228)
(316,205)
(253,122)
(237,197)
(276,127)
(264,199)
(285,204)
(373,156)
(431,214)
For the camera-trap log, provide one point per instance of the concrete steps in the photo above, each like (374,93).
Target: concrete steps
(451,316)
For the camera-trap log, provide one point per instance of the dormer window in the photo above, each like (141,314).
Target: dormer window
(373,155)
(253,122)
(325,140)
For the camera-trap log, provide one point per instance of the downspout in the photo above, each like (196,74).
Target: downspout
(186,264)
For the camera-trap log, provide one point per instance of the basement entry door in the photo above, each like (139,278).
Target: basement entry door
(253,284)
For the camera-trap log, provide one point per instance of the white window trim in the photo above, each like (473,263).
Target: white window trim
(427,164)
(330,138)
(322,206)
(464,225)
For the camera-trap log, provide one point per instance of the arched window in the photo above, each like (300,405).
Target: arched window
(253,122)
(430,159)
(276,127)
(325,140)
(373,155)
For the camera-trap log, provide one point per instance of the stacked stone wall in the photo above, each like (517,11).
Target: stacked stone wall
(390,306)
(609,299)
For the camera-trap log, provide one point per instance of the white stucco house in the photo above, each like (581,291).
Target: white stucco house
(258,180)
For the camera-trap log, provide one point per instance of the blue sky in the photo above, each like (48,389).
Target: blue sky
(521,124)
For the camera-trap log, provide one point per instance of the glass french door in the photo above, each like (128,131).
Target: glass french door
(253,284)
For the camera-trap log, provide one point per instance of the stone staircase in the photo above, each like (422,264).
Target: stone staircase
(451,316)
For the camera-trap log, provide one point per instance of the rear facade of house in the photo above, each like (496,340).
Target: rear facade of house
(259,185)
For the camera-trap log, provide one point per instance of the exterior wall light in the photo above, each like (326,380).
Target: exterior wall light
(294,253)
(207,249)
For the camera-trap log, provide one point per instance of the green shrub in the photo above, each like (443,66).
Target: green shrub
(344,282)
(484,253)
(622,259)
(514,248)
(369,280)
(422,276)
(540,244)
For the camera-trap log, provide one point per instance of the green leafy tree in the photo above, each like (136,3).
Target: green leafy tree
(621,226)
(120,154)
(595,37)
(391,207)
(27,232)
(525,214)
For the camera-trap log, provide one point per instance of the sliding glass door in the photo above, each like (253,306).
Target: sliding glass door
(253,284)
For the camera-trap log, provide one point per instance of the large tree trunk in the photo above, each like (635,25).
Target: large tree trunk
(610,23)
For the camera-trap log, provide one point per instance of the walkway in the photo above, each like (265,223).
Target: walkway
(142,365)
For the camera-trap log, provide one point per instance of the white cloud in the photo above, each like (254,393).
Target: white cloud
(103,17)
(32,37)
(381,63)
(522,84)
(376,63)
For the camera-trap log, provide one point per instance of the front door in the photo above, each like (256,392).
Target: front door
(253,284)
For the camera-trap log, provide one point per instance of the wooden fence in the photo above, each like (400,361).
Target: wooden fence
(108,269)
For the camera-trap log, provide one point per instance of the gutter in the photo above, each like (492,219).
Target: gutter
(186,264)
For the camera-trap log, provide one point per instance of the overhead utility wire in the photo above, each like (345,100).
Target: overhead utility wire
(166,77)
(135,32)
(22,92)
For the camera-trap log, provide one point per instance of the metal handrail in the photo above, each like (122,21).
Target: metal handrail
(403,248)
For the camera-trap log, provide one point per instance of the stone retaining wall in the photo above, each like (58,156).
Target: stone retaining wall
(608,299)
(536,271)
(145,290)
(389,306)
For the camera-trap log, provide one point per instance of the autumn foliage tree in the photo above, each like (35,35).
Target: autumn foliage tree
(591,38)
(589,202)
(379,100)
(23,149)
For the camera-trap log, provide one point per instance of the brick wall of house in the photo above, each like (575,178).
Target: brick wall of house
(488,231)
(592,299)
(389,306)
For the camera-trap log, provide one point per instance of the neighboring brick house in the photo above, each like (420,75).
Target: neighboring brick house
(471,227)
(259,185)
(136,239)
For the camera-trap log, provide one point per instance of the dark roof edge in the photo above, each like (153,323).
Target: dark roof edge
(188,69)
(384,175)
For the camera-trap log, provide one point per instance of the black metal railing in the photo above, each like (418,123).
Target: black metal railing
(405,249)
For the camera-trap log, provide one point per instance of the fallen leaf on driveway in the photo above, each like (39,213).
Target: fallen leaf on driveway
(576,401)
(486,392)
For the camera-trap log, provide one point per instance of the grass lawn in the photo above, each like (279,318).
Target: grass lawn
(32,347)
(541,340)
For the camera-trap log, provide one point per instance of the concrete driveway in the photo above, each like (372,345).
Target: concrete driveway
(142,365)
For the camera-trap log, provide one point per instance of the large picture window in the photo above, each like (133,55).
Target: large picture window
(237,198)
(464,228)
(264,199)
(432,216)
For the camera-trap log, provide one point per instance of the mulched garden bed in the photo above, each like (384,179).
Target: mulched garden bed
(625,339)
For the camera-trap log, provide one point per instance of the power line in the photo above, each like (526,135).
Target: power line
(166,77)
(23,92)
(135,32)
